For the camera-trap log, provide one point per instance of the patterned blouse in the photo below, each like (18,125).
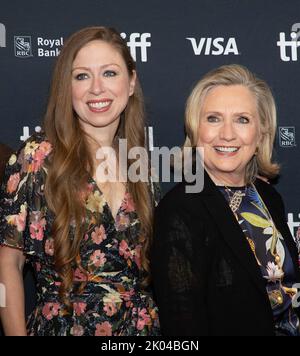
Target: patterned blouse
(277,268)
(112,302)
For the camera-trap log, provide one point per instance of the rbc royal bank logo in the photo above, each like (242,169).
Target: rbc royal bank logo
(289,47)
(287,136)
(138,40)
(23,46)
(2,35)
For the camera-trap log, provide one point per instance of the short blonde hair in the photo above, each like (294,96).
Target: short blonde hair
(234,74)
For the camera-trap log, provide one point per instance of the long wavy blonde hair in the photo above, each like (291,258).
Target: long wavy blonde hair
(235,74)
(71,163)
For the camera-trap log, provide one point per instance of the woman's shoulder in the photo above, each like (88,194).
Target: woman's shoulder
(178,201)
(174,196)
(271,197)
(267,189)
(36,142)
(32,153)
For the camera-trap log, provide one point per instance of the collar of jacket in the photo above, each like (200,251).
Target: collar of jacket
(231,232)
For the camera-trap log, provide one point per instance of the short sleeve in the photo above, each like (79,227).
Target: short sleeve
(22,179)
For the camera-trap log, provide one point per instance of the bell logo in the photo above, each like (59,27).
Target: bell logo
(216,47)
(292,44)
(2,35)
(138,40)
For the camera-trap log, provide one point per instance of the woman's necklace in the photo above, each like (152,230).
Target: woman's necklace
(235,198)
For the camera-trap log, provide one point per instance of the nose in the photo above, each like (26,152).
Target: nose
(97,86)
(227,131)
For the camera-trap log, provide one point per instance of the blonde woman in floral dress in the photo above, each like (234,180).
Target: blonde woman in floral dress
(87,239)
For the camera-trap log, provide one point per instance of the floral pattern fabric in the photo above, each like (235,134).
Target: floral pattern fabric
(259,229)
(113,301)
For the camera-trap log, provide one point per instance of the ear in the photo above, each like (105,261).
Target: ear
(132,82)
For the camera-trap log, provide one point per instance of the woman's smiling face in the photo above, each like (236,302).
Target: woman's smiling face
(229,132)
(101,85)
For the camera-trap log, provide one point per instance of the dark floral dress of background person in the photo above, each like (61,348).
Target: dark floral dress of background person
(259,229)
(112,302)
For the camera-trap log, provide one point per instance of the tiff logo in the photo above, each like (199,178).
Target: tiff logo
(216,47)
(26,133)
(291,44)
(293,223)
(2,296)
(2,35)
(138,40)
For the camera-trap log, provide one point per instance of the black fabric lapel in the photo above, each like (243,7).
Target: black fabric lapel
(231,231)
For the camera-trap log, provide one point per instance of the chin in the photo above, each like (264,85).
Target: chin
(227,169)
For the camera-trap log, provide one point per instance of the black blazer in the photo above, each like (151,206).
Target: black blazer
(206,279)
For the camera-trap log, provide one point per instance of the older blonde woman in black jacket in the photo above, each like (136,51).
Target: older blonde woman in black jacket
(224,261)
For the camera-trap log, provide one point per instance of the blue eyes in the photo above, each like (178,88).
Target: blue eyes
(81,76)
(243,120)
(240,119)
(213,119)
(107,74)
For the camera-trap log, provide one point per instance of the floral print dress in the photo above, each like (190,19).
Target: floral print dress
(112,302)
(277,271)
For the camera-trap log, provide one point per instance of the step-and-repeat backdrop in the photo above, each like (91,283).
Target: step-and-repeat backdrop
(174,42)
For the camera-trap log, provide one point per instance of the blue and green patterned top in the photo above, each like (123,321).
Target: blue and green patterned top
(270,251)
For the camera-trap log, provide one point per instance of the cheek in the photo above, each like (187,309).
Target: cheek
(77,99)
(78,90)
(123,90)
(206,135)
(250,137)
(122,97)
(122,87)
(74,99)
